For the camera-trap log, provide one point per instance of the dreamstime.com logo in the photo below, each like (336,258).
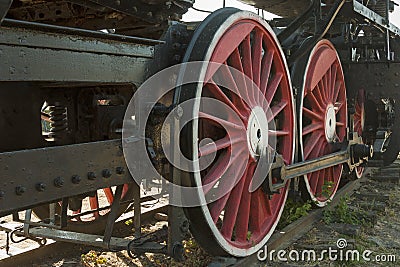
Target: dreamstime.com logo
(338,253)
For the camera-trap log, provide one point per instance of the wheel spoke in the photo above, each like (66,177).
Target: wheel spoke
(247,60)
(311,128)
(231,80)
(336,91)
(314,101)
(278,133)
(334,76)
(259,210)
(312,114)
(257,57)
(320,96)
(243,217)
(228,181)
(225,142)
(266,70)
(310,145)
(323,91)
(321,181)
(276,109)
(232,207)
(271,89)
(220,95)
(221,122)
(340,124)
(219,168)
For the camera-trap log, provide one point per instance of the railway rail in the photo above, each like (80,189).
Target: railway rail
(225,116)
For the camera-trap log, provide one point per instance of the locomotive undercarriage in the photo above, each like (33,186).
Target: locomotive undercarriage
(64,92)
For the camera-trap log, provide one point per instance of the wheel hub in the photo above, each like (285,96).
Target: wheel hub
(257,131)
(330,123)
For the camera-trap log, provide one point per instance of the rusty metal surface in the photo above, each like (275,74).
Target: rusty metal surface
(56,167)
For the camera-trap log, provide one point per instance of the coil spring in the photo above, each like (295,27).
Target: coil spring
(59,124)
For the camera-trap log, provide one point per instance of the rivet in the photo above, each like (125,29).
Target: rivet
(59,182)
(41,187)
(19,190)
(106,173)
(76,179)
(91,175)
(120,170)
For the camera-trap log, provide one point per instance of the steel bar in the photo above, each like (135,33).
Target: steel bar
(79,238)
(112,216)
(137,210)
(302,168)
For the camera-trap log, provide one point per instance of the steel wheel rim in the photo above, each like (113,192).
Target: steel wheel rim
(224,235)
(316,130)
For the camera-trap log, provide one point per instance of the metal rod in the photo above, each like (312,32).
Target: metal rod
(28,216)
(112,216)
(137,210)
(305,167)
(387,31)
